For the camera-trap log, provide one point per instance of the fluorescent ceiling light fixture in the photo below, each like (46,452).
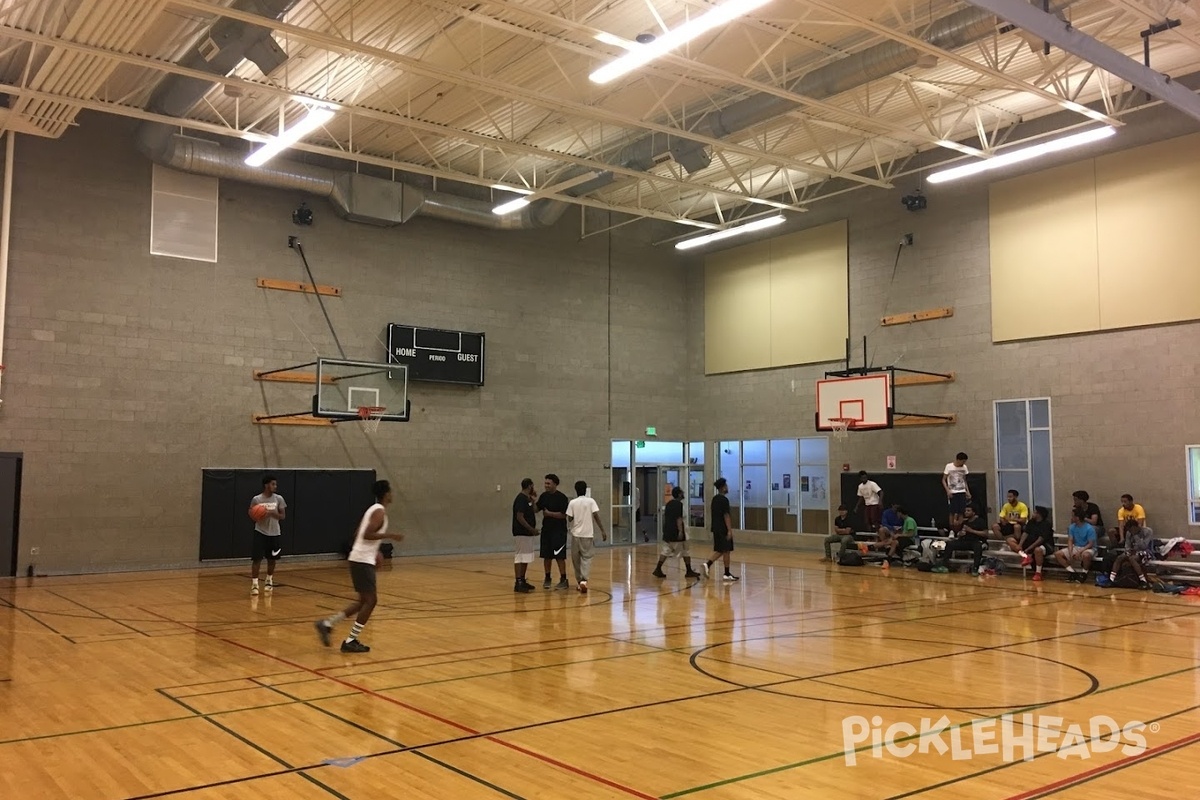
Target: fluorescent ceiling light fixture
(510,206)
(316,117)
(501,187)
(1024,154)
(757,225)
(644,54)
(615,41)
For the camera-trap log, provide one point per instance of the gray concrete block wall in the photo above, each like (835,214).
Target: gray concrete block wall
(1123,402)
(127,373)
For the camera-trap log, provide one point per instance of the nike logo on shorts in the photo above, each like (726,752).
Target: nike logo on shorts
(559,550)
(275,553)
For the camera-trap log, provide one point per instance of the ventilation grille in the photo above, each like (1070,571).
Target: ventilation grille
(183,215)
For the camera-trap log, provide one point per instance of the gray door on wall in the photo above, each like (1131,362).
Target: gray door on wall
(10,511)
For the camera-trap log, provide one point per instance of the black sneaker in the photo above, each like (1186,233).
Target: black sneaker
(658,573)
(563,584)
(691,574)
(355,646)
(546,583)
(524,588)
(324,629)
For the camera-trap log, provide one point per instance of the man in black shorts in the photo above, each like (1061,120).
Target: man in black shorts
(973,537)
(365,558)
(267,538)
(722,529)
(553,505)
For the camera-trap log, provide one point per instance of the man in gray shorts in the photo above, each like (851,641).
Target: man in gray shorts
(674,537)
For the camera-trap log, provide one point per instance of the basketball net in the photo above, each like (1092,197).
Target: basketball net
(371,416)
(841,427)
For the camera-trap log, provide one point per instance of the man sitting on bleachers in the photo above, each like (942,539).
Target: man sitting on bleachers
(1032,543)
(1014,515)
(1128,510)
(889,530)
(843,532)
(1138,551)
(972,536)
(1080,549)
(1089,512)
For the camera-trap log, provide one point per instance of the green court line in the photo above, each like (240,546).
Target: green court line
(864,748)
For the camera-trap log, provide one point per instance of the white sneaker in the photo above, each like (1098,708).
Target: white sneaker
(704,566)
(253,590)
(729,577)
(269,587)
(583,587)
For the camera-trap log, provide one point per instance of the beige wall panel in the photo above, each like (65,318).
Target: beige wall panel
(737,301)
(1042,230)
(1148,212)
(809,303)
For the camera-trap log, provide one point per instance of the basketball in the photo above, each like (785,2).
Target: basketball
(258,512)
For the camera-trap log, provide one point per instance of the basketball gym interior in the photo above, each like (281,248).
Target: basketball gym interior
(642,244)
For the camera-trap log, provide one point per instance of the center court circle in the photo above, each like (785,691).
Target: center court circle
(1022,675)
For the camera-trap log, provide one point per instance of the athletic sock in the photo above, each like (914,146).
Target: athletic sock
(356,631)
(709,564)
(270,580)
(254,581)
(1070,569)
(335,619)
(547,576)
(1112,576)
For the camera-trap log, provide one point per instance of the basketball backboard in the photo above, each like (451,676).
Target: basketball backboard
(343,387)
(865,399)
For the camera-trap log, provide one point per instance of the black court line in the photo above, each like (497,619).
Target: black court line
(99,614)
(254,745)
(402,747)
(1068,783)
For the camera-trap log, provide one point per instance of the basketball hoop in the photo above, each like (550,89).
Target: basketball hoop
(371,416)
(841,427)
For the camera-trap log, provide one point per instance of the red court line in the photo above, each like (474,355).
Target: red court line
(547,759)
(1106,768)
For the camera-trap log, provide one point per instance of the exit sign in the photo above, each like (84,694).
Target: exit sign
(639,445)
(652,431)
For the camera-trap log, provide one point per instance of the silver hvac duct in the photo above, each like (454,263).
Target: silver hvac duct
(360,198)
(380,202)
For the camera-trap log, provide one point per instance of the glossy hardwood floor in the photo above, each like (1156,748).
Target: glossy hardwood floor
(180,684)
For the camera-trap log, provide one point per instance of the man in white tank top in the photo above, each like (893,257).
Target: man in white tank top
(364,559)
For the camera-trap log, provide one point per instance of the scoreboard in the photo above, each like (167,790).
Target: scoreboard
(441,356)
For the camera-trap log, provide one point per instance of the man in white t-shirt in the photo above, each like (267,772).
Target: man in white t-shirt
(870,499)
(954,481)
(583,517)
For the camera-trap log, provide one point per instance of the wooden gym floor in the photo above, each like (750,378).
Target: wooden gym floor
(180,684)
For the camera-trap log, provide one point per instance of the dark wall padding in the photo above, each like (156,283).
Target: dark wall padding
(920,493)
(324,507)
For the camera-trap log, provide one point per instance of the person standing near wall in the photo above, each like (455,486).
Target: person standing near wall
(583,516)
(267,538)
(954,481)
(524,529)
(553,505)
(674,536)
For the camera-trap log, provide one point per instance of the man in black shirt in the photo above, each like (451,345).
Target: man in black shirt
(1089,512)
(553,505)
(843,532)
(973,537)
(1035,538)
(722,529)
(524,528)
(674,537)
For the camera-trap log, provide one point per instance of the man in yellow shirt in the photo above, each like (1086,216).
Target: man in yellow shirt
(1013,516)
(1128,510)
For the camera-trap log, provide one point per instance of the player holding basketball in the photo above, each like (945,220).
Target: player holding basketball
(364,560)
(266,533)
